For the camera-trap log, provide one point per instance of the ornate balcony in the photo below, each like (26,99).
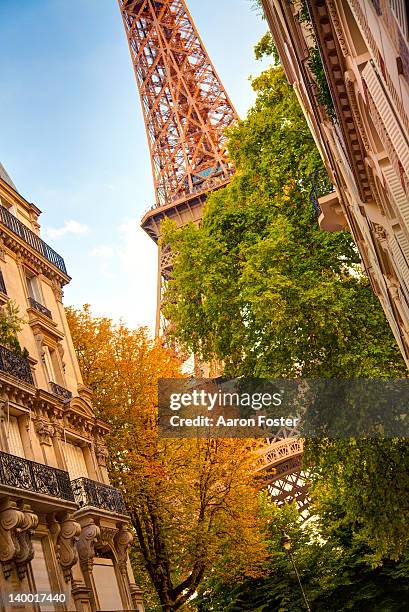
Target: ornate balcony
(40,308)
(321,186)
(326,203)
(60,391)
(2,284)
(98,495)
(23,232)
(16,365)
(22,474)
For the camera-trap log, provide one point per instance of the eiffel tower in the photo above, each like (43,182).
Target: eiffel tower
(186,111)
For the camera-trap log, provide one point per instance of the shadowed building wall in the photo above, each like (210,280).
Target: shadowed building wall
(355,97)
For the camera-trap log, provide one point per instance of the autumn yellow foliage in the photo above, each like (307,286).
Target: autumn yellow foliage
(193,503)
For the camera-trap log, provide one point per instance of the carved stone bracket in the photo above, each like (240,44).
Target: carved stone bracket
(25,551)
(65,532)
(2,250)
(57,290)
(379,232)
(58,429)
(101,453)
(106,537)
(88,537)
(44,430)
(122,541)
(16,528)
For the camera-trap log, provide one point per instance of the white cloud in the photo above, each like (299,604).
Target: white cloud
(138,262)
(129,262)
(69,227)
(105,251)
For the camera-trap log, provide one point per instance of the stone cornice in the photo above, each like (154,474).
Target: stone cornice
(335,68)
(40,263)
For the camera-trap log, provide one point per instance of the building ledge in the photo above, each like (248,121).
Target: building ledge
(40,323)
(331,217)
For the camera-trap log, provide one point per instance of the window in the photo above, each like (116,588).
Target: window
(106,584)
(52,365)
(33,287)
(13,435)
(3,288)
(10,207)
(399,9)
(74,457)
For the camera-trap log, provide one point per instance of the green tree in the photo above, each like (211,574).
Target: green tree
(259,285)
(10,325)
(266,46)
(334,566)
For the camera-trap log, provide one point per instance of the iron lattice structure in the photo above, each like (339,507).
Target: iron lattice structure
(185,107)
(186,111)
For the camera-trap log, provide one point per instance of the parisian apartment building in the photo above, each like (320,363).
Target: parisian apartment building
(63,529)
(348,62)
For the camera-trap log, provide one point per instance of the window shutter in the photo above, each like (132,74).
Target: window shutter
(74,457)
(40,572)
(14,437)
(106,585)
(384,108)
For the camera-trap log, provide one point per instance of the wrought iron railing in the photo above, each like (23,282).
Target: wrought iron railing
(321,185)
(60,391)
(40,308)
(22,231)
(98,495)
(16,365)
(23,474)
(2,284)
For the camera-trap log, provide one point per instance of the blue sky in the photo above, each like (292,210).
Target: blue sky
(73,139)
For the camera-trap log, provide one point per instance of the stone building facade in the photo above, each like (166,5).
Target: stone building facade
(63,528)
(348,62)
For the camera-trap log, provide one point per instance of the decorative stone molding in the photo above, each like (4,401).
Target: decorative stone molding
(101,453)
(350,81)
(85,394)
(65,532)
(24,533)
(337,24)
(57,290)
(334,60)
(11,518)
(16,528)
(44,430)
(2,250)
(137,597)
(82,596)
(379,232)
(61,352)
(122,541)
(106,537)
(393,286)
(58,430)
(88,537)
